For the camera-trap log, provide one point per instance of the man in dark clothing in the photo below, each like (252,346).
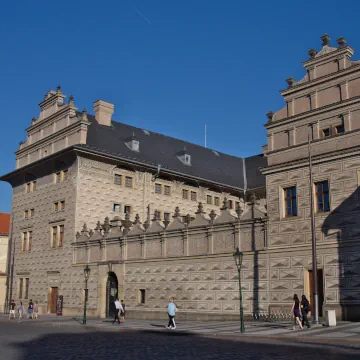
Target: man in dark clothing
(30,309)
(305,310)
(122,313)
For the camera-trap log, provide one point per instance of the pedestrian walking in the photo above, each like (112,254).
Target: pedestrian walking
(12,309)
(305,311)
(122,313)
(21,310)
(171,312)
(30,309)
(296,310)
(36,310)
(118,309)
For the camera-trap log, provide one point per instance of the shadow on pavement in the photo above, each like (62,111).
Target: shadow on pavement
(163,345)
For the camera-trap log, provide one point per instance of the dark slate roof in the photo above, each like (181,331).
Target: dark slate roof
(158,149)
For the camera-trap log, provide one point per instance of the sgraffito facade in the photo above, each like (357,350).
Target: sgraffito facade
(155,217)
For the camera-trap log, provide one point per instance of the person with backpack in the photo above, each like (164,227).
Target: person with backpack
(171,312)
(305,310)
(30,309)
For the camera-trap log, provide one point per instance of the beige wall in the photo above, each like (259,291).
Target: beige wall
(3,263)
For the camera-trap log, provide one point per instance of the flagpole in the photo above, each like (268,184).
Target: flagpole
(315,304)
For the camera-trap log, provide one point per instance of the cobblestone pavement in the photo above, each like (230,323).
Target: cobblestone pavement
(30,340)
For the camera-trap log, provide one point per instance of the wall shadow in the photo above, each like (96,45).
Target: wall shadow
(343,225)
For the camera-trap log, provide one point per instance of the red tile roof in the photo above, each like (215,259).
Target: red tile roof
(4,223)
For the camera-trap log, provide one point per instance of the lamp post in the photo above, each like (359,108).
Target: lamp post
(86,275)
(238,257)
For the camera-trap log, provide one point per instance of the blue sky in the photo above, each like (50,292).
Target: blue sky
(169,66)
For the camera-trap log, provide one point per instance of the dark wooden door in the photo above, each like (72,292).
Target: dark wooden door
(112,294)
(53,299)
(320,290)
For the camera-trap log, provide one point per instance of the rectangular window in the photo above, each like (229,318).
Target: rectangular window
(185,194)
(128,181)
(65,175)
(26,214)
(209,199)
(29,240)
(21,285)
(27,281)
(61,235)
(217,201)
(142,296)
(116,208)
(326,132)
(53,236)
(56,206)
(230,204)
(62,205)
(58,177)
(237,204)
(340,129)
(166,216)
(158,188)
(127,209)
(28,187)
(167,190)
(290,201)
(33,186)
(23,241)
(322,196)
(32,212)
(117,179)
(193,196)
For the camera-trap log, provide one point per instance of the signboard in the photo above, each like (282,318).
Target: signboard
(59,305)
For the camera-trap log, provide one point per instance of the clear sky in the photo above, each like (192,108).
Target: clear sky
(169,66)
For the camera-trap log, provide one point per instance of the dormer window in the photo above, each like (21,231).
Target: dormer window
(184,157)
(133,143)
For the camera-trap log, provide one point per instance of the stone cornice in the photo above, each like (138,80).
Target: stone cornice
(313,113)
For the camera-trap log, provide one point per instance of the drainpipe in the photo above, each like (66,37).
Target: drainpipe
(154,177)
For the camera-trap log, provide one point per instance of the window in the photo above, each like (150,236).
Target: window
(167,190)
(217,201)
(21,285)
(237,204)
(290,201)
(26,214)
(127,209)
(56,206)
(141,298)
(340,129)
(193,196)
(32,212)
(322,196)
(29,240)
(33,186)
(62,205)
(53,236)
(23,241)
(61,176)
(117,179)
(326,132)
(128,181)
(116,208)
(59,205)
(185,194)
(158,188)
(209,199)
(61,235)
(166,216)
(28,187)
(230,204)
(27,281)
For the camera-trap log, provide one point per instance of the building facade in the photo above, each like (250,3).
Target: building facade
(4,242)
(155,217)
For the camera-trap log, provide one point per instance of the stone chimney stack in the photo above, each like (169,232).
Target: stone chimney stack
(103,112)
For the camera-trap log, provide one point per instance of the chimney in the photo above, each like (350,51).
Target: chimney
(103,112)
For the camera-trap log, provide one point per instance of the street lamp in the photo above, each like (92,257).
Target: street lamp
(238,257)
(86,275)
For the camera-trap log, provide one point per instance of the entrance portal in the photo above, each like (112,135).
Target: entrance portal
(320,289)
(52,299)
(111,294)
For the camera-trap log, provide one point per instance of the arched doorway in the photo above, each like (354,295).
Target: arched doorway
(111,294)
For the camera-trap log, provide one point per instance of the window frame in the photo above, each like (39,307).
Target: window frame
(290,198)
(230,204)
(323,194)
(127,207)
(193,198)
(209,199)
(158,188)
(337,129)
(118,176)
(61,235)
(54,236)
(21,286)
(27,288)
(29,240)
(323,132)
(185,194)
(167,190)
(216,200)
(141,297)
(166,216)
(33,186)
(128,182)
(115,205)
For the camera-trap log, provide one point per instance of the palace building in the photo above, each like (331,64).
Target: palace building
(154,217)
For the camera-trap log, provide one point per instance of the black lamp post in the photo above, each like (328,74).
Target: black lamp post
(86,275)
(238,256)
